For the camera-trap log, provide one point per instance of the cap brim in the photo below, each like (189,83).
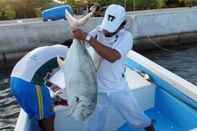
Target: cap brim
(110,27)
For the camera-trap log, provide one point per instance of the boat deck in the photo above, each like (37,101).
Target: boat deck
(169,114)
(160,121)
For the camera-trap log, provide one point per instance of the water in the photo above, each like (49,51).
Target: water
(9,109)
(181,60)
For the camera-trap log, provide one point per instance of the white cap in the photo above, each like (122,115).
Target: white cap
(114,16)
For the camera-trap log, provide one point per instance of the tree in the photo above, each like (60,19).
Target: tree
(185,2)
(9,12)
(11,9)
(6,10)
(30,8)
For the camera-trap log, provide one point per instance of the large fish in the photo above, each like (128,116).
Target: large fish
(80,81)
(80,77)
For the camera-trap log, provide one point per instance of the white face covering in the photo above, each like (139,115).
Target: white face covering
(108,41)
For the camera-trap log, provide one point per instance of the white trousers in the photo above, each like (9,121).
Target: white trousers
(125,103)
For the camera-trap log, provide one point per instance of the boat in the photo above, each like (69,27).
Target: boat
(169,100)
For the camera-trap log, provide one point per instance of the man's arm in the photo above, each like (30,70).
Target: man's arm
(107,53)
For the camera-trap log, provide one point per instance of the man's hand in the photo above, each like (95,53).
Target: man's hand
(79,34)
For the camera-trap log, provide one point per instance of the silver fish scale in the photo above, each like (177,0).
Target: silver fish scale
(80,81)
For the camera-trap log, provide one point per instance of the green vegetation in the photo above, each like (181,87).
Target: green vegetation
(6,10)
(14,9)
(129,4)
(134,4)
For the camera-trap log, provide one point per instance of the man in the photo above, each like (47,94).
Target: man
(112,42)
(28,83)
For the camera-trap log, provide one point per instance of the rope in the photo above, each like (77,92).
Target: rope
(150,39)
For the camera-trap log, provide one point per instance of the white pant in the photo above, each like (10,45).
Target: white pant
(125,103)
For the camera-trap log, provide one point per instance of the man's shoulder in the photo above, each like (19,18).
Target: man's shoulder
(126,34)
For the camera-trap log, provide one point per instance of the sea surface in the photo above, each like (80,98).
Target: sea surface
(181,60)
(9,109)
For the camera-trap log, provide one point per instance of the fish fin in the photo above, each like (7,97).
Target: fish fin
(72,105)
(84,19)
(60,62)
(73,22)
